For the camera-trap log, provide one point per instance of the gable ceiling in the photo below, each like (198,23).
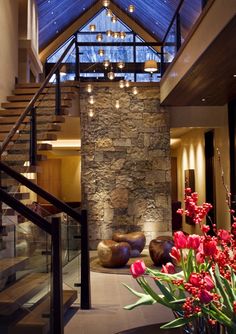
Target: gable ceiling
(55,16)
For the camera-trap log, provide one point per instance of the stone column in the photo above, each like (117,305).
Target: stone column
(125,163)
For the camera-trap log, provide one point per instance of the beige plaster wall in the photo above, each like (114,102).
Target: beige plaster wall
(9,46)
(190,155)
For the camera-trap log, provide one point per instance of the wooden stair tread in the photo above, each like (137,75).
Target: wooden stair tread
(8,266)
(25,137)
(34,322)
(33,90)
(37,85)
(20,196)
(43,104)
(40,119)
(21,291)
(45,97)
(40,111)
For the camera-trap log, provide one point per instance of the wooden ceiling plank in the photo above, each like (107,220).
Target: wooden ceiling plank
(76,25)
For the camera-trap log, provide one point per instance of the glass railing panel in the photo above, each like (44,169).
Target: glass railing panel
(189,13)
(169,48)
(24,277)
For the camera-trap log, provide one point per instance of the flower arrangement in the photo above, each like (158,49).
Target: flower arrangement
(203,291)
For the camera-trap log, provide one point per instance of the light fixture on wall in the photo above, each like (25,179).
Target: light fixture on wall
(106,3)
(99,37)
(92,27)
(101,52)
(131,8)
(89,88)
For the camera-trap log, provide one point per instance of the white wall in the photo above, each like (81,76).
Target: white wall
(9,46)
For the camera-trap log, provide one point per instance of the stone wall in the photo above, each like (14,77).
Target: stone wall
(125,163)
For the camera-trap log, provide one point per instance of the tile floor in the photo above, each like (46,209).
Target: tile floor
(107,315)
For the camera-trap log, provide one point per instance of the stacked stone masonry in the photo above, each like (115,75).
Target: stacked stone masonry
(125,163)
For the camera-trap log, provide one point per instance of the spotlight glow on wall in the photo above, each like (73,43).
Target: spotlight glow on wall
(127,83)
(91,112)
(91,99)
(122,84)
(135,90)
(117,104)
(89,88)
(109,33)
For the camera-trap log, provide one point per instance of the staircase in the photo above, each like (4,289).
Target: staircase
(24,283)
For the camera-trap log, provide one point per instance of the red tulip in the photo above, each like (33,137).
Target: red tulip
(180,240)
(210,247)
(175,254)
(169,268)
(224,235)
(193,241)
(137,268)
(208,283)
(205,296)
(195,279)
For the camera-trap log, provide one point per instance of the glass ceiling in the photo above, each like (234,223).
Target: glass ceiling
(90,60)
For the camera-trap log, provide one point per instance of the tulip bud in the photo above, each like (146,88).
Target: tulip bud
(137,268)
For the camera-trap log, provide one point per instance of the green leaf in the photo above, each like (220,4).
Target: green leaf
(226,301)
(178,322)
(189,263)
(144,300)
(136,293)
(165,291)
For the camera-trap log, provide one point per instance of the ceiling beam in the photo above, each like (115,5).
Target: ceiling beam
(76,25)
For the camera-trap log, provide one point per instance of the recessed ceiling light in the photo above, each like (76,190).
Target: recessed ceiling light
(203,100)
(234,75)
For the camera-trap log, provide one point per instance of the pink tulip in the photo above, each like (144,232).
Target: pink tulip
(205,296)
(180,240)
(137,268)
(200,257)
(169,268)
(193,241)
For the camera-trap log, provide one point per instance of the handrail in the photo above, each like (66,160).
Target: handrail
(34,99)
(25,211)
(41,192)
